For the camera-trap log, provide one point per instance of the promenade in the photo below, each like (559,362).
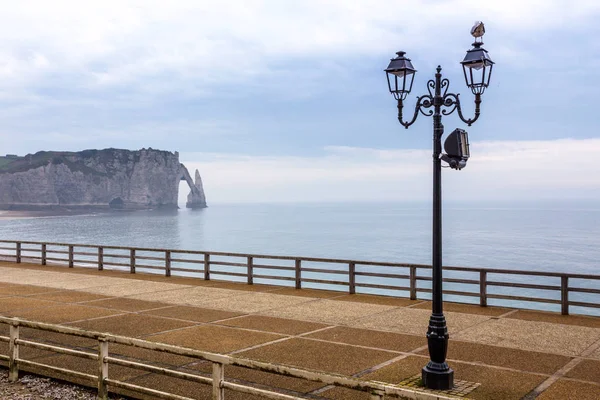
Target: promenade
(503,353)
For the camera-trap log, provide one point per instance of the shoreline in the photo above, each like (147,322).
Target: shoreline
(23,214)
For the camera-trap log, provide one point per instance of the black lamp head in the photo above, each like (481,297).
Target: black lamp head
(400,76)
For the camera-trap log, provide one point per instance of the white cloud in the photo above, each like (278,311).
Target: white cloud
(504,170)
(188,45)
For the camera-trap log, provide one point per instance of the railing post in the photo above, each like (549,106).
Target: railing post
(102,369)
(483,288)
(413,282)
(168,263)
(298,273)
(18,252)
(13,353)
(132,261)
(352,278)
(70,256)
(44,253)
(564,295)
(218,376)
(250,270)
(207,267)
(101,258)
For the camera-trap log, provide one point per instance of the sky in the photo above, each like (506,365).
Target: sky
(287,101)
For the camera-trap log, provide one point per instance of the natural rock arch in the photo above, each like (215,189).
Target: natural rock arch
(195,198)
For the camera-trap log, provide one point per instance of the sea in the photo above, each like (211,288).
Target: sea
(553,236)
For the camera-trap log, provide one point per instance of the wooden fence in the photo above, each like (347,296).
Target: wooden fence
(217,380)
(514,288)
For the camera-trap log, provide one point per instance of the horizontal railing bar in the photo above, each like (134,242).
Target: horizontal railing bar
(283,278)
(277,267)
(325,271)
(116,264)
(187,261)
(217,272)
(231,264)
(158,370)
(524,285)
(57,259)
(260,392)
(152,258)
(584,304)
(4,358)
(8,248)
(584,290)
(522,298)
(187,270)
(324,281)
(148,267)
(80,253)
(57,349)
(108,255)
(4,339)
(68,372)
(145,390)
(56,252)
(454,292)
(376,286)
(379,275)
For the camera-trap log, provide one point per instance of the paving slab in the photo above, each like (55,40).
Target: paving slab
(69,296)
(369,338)
(381,300)
(62,313)
(134,325)
(315,293)
(555,318)
(565,389)
(132,288)
(328,311)
(467,309)
(182,388)
(329,357)
(496,384)
(339,393)
(149,356)
(529,361)
(587,370)
(273,324)
(196,314)
(8,304)
(536,336)
(187,295)
(220,339)
(254,377)
(253,302)
(596,354)
(415,321)
(23,290)
(126,304)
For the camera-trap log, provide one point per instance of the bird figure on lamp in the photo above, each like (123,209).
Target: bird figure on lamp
(478,30)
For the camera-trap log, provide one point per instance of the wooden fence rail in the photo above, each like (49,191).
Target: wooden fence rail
(217,380)
(354,275)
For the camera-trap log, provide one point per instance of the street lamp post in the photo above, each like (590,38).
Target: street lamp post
(477,68)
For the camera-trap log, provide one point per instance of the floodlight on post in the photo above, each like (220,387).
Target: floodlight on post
(477,67)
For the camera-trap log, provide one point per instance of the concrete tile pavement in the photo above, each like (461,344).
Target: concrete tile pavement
(373,335)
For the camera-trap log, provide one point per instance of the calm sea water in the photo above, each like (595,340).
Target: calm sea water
(548,236)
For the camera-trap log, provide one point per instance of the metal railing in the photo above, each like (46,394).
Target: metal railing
(501,285)
(217,380)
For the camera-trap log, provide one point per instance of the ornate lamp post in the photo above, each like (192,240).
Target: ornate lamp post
(477,68)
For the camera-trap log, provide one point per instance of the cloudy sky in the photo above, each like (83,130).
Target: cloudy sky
(287,101)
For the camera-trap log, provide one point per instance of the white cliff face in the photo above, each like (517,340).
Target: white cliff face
(99,178)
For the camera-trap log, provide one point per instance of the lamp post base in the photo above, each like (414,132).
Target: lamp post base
(437,376)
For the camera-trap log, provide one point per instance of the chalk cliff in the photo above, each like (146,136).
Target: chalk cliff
(109,178)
